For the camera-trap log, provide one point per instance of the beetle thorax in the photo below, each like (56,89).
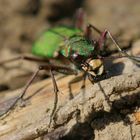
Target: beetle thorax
(77,46)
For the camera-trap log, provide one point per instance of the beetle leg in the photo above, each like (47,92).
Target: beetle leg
(79,18)
(24,89)
(76,80)
(24,57)
(60,69)
(51,68)
(105,33)
(84,81)
(23,92)
(56,90)
(102,40)
(90,26)
(88,32)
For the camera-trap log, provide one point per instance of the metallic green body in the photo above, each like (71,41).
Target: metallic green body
(49,42)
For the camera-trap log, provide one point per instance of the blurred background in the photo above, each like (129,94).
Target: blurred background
(21,22)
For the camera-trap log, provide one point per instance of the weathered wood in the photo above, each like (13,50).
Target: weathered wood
(32,121)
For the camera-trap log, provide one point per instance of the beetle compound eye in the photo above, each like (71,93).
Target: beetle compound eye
(74,55)
(76,58)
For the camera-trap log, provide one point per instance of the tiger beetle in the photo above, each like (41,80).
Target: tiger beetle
(75,45)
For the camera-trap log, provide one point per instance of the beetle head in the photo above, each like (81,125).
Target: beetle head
(93,67)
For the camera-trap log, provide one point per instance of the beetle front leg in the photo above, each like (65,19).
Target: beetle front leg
(103,38)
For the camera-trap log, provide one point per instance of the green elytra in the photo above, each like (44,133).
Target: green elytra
(62,39)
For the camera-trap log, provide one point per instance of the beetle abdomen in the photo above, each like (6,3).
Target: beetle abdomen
(48,43)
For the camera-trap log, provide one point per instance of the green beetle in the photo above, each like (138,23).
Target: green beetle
(70,43)
(76,46)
